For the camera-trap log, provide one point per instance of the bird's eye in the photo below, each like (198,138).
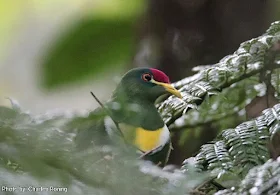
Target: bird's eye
(147,77)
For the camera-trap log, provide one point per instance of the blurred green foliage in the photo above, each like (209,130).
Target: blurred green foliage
(88,48)
(101,40)
(39,150)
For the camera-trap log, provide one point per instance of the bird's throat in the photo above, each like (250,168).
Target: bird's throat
(138,113)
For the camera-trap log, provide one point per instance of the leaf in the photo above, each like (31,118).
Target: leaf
(87,49)
(240,149)
(252,57)
(260,180)
(40,151)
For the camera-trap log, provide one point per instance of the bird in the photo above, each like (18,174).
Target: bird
(132,110)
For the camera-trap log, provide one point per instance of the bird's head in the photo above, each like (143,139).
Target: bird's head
(146,84)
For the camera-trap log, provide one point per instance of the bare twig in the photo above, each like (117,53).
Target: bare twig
(108,113)
(116,123)
(148,153)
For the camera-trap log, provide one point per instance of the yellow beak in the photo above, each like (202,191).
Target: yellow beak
(168,88)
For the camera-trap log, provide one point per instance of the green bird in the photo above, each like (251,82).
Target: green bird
(132,109)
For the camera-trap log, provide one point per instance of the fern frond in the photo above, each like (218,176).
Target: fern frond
(263,179)
(252,57)
(240,149)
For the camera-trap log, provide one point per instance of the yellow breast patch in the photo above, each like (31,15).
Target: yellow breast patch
(147,140)
(144,139)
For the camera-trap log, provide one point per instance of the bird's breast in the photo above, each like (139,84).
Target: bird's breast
(145,139)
